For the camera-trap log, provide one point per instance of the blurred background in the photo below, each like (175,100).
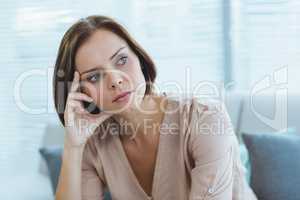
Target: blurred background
(249,47)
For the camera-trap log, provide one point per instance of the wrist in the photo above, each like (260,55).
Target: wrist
(72,153)
(72,147)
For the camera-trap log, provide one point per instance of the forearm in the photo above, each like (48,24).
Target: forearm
(69,183)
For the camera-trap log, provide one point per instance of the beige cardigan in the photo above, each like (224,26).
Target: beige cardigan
(198,158)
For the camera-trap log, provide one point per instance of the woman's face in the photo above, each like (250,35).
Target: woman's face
(107,68)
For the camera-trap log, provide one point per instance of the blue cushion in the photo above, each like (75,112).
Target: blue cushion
(275,165)
(52,156)
(244,154)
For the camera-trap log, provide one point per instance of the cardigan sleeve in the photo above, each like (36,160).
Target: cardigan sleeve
(92,185)
(211,140)
(241,188)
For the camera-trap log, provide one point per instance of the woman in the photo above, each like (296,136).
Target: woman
(174,148)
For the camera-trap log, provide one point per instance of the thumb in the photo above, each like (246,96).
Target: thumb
(98,118)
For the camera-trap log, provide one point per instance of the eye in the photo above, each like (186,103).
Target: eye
(122,60)
(94,78)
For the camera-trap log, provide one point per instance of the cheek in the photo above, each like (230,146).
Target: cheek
(101,96)
(135,72)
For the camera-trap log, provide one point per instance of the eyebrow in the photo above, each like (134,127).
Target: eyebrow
(96,67)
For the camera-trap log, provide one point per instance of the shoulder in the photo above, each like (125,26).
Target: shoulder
(90,152)
(91,157)
(209,131)
(194,110)
(188,104)
(90,147)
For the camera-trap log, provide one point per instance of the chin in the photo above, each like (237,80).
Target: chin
(121,108)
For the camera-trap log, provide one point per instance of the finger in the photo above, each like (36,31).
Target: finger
(81,111)
(75,82)
(69,116)
(75,104)
(80,96)
(76,107)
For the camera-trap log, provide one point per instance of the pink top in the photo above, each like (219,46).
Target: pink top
(198,158)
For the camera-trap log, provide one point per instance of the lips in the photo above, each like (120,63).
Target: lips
(121,95)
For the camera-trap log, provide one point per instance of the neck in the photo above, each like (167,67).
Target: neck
(143,119)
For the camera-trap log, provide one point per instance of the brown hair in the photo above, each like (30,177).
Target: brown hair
(74,37)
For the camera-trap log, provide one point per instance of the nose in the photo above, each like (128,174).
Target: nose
(115,80)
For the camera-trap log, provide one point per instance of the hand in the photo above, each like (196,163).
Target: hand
(79,123)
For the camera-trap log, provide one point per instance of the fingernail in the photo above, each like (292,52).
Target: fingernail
(82,110)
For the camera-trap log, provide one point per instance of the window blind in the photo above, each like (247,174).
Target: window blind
(265,36)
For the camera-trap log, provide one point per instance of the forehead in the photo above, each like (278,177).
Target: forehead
(97,49)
